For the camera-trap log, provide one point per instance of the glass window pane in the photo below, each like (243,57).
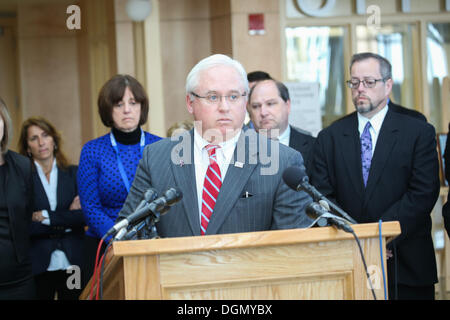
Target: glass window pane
(438,56)
(396,43)
(316,54)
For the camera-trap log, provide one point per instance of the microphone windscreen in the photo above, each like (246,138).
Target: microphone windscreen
(311,211)
(293,176)
(150,195)
(173,195)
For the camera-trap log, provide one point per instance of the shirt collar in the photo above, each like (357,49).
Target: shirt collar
(376,121)
(284,137)
(41,171)
(201,143)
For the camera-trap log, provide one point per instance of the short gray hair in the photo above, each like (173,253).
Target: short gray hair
(212,61)
(385,65)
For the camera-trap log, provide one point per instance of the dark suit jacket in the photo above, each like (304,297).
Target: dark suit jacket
(303,143)
(271,205)
(446,208)
(403,185)
(409,112)
(20,203)
(45,239)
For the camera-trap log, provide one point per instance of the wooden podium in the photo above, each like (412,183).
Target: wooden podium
(316,263)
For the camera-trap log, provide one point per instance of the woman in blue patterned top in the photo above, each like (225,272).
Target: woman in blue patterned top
(108,164)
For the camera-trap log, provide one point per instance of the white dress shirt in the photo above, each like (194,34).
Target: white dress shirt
(58,259)
(201,161)
(375,125)
(285,136)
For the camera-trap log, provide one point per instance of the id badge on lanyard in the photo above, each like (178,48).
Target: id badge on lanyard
(119,161)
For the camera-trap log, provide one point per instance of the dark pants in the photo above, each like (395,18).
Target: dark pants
(23,290)
(50,283)
(405,292)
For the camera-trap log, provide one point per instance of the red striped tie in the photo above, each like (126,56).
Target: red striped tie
(211,187)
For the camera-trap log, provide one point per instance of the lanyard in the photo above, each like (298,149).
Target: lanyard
(119,161)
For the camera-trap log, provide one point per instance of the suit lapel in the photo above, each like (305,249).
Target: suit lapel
(295,140)
(387,139)
(60,187)
(184,174)
(233,184)
(351,153)
(65,187)
(43,202)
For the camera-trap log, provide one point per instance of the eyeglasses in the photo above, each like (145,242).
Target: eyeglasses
(213,98)
(368,83)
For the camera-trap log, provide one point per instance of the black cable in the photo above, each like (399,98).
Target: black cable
(347,228)
(365,265)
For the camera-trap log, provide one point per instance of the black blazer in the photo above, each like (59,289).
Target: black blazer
(403,185)
(303,143)
(45,239)
(409,112)
(19,200)
(446,207)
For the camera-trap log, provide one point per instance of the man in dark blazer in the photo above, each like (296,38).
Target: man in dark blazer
(403,174)
(252,195)
(269,108)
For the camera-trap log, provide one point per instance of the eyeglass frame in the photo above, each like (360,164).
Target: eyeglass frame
(220,100)
(350,84)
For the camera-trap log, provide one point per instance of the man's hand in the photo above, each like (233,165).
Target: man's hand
(388,254)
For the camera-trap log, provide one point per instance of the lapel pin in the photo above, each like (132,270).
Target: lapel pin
(238,164)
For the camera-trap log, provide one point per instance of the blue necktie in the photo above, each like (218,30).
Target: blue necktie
(366,152)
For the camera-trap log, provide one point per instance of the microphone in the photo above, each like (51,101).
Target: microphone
(316,212)
(162,204)
(149,196)
(133,232)
(170,197)
(297,180)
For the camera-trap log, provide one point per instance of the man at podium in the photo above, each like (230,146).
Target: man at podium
(231,179)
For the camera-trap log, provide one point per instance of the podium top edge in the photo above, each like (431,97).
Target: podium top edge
(251,239)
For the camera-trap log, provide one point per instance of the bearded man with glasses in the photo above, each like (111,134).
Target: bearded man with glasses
(378,163)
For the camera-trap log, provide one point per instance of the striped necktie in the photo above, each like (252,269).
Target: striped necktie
(211,187)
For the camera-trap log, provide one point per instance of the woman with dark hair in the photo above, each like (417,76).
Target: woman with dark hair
(108,163)
(57,228)
(16,277)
